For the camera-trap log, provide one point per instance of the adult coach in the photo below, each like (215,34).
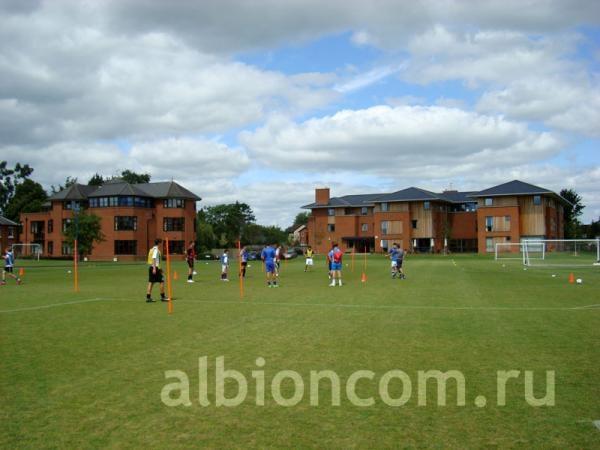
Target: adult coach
(268,257)
(155,274)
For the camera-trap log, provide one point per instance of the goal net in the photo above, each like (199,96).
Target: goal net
(27,251)
(519,251)
(561,252)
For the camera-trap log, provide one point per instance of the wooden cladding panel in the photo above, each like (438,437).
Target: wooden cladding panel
(424,221)
(532,217)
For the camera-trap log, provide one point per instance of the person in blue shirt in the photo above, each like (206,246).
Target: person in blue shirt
(335,259)
(9,266)
(268,256)
(397,258)
(225,265)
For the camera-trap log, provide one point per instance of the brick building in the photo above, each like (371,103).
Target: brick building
(132,216)
(8,233)
(425,221)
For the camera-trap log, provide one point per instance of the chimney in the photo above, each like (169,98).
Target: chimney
(322,196)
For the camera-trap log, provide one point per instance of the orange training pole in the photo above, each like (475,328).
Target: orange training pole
(352,260)
(169,292)
(240,270)
(75,267)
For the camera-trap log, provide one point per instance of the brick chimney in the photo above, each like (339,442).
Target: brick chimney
(322,196)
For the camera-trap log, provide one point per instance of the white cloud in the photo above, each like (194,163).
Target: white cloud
(400,140)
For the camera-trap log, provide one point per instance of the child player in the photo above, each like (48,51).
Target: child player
(243,261)
(268,257)
(225,265)
(9,266)
(397,256)
(335,256)
(309,258)
(190,257)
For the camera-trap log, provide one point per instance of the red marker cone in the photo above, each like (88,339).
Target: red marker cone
(175,276)
(21,272)
(363,278)
(571,278)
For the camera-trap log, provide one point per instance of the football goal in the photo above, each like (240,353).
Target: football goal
(552,252)
(27,251)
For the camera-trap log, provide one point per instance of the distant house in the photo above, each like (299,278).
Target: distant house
(8,233)
(132,216)
(424,221)
(300,235)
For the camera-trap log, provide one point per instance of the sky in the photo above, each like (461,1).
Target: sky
(262,101)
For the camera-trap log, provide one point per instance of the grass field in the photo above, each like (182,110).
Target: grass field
(86,370)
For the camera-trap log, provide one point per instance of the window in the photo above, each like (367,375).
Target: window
(364,211)
(176,247)
(385,207)
(489,223)
(348,211)
(331,211)
(127,201)
(66,249)
(173,224)
(384,227)
(384,244)
(174,203)
(69,204)
(65,225)
(50,247)
(426,205)
(415,224)
(489,244)
(125,247)
(488,201)
(125,223)
(50,226)
(36,228)
(537,200)
(331,227)
(364,227)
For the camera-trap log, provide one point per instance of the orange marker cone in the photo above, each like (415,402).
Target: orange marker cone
(21,272)
(175,276)
(571,278)
(363,278)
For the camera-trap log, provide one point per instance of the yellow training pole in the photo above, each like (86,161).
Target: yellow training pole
(169,293)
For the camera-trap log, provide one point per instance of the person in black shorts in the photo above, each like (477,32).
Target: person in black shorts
(190,257)
(155,274)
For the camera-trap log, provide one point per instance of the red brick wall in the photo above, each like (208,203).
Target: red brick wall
(463,225)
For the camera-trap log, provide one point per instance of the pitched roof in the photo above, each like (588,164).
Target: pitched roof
(347,201)
(514,187)
(457,196)
(410,194)
(117,188)
(5,221)
(166,189)
(74,192)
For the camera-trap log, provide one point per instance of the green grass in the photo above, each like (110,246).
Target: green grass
(90,373)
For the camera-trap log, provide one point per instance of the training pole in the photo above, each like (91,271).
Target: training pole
(169,292)
(352,260)
(240,270)
(75,267)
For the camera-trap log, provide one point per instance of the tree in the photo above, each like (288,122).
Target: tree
(10,179)
(228,220)
(572,212)
(301,219)
(29,196)
(96,180)
(135,178)
(205,237)
(69,181)
(87,228)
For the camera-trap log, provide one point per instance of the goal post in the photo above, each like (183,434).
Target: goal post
(27,251)
(562,252)
(519,251)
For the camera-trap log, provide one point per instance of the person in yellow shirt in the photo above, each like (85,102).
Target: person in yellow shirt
(308,254)
(155,274)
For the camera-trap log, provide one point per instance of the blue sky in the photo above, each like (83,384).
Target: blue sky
(262,102)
